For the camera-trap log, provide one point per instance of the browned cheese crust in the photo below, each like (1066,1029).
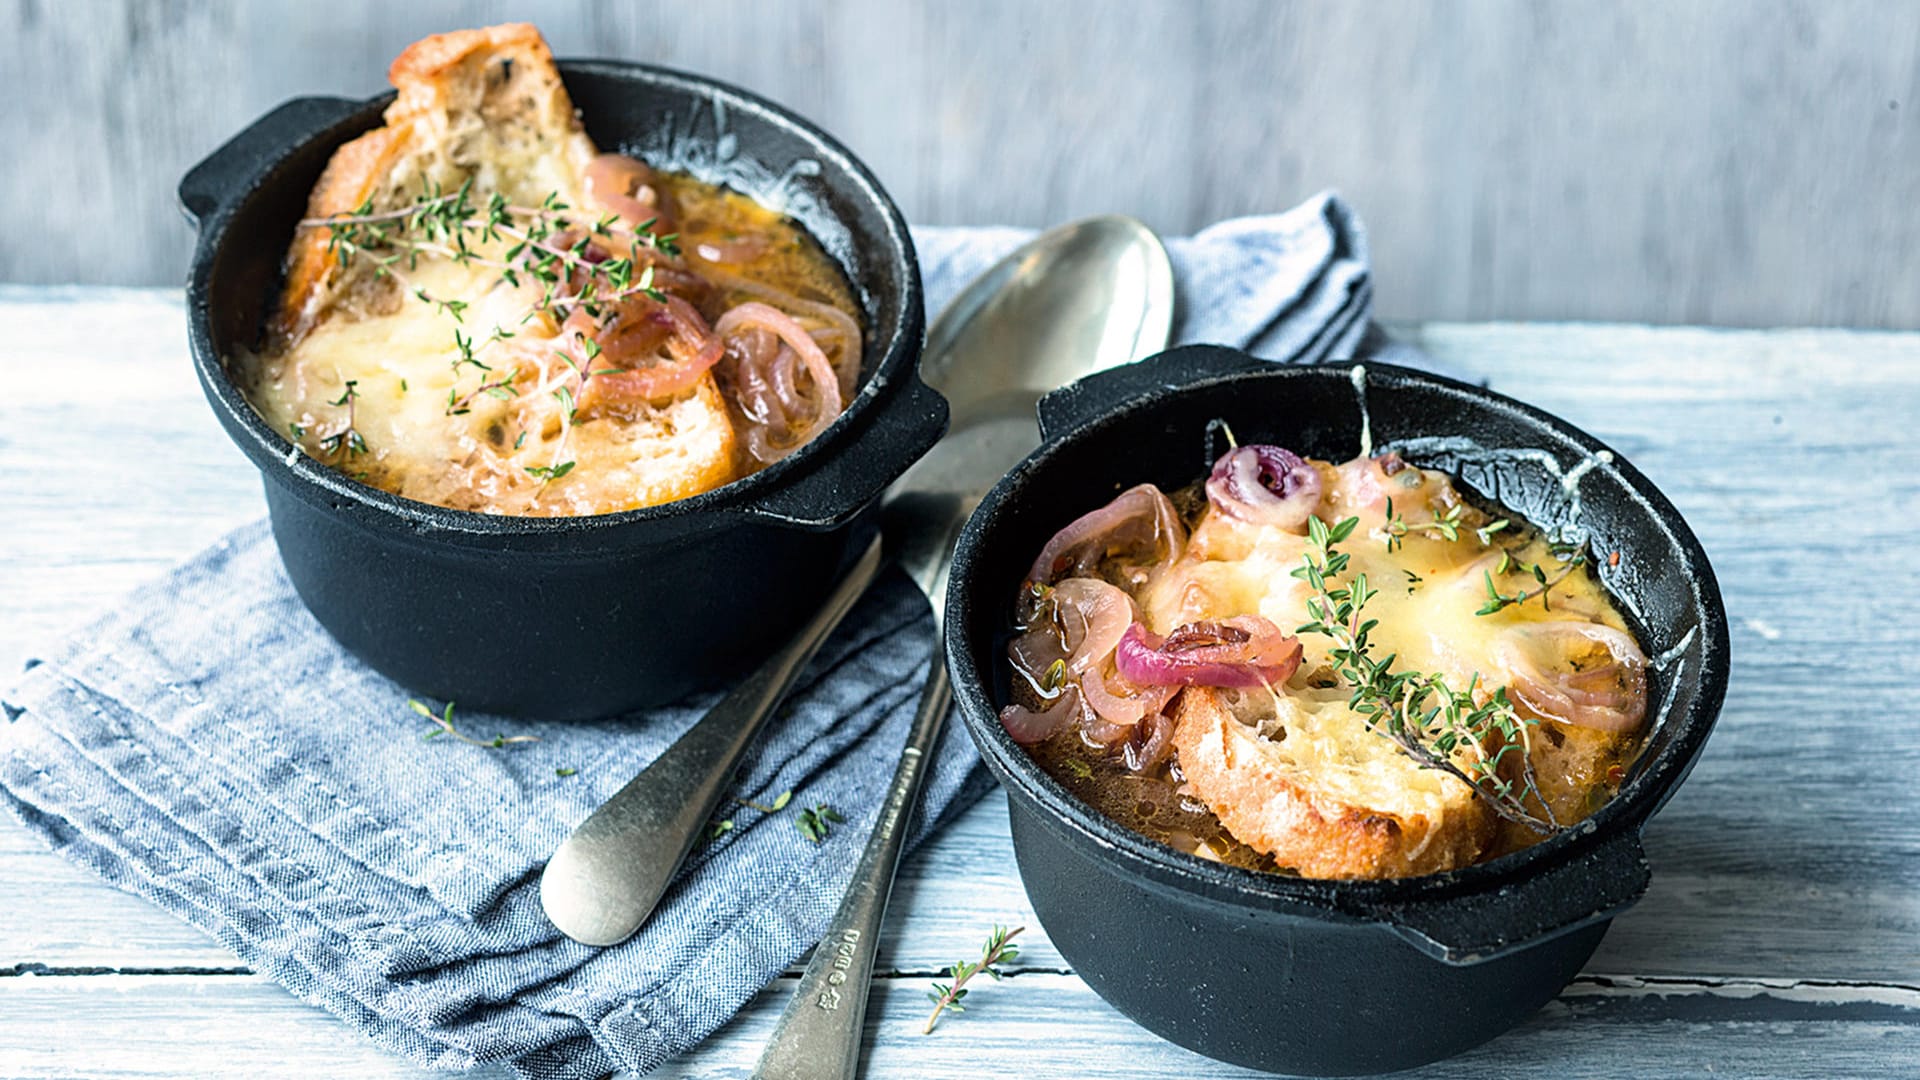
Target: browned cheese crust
(1276,810)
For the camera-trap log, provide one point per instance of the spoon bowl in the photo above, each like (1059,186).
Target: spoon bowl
(1077,299)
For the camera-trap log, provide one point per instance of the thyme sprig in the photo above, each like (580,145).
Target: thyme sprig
(1436,725)
(443,725)
(458,226)
(551,246)
(814,822)
(1447,526)
(1573,560)
(946,997)
(348,438)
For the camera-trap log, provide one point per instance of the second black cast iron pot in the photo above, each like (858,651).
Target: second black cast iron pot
(564,618)
(1328,977)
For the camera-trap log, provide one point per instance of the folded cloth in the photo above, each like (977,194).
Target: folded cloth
(210,748)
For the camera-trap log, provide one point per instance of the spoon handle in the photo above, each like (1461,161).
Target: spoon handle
(608,876)
(818,1037)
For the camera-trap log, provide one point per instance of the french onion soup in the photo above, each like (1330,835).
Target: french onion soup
(1330,670)
(484,311)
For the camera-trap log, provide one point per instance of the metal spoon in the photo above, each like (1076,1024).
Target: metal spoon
(1077,299)
(608,876)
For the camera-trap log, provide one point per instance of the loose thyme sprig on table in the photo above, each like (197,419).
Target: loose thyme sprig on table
(946,996)
(443,725)
(815,822)
(1427,719)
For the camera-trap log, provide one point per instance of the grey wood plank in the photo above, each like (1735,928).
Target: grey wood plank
(1051,1024)
(1713,162)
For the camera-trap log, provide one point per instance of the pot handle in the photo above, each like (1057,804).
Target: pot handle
(1585,888)
(226,171)
(1080,403)
(867,460)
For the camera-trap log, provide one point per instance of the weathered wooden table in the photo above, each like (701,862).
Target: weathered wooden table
(1781,936)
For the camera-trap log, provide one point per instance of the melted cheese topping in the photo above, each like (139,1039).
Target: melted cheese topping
(1429,591)
(434,434)
(439,429)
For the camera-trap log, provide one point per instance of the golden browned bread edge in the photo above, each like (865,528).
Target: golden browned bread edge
(1312,833)
(420,74)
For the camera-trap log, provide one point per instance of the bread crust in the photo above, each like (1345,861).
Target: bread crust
(1275,810)
(488,105)
(435,80)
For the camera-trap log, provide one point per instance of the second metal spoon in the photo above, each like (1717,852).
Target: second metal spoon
(1077,299)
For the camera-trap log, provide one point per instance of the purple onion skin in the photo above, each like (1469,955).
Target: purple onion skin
(1264,485)
(1140,660)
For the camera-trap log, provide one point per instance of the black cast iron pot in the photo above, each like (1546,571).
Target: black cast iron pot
(564,618)
(1327,977)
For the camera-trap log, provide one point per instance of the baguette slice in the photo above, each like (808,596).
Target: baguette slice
(1323,796)
(486,106)
(483,104)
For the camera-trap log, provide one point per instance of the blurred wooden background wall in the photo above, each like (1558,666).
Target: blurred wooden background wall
(1737,162)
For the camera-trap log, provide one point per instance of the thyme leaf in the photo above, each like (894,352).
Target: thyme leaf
(443,725)
(946,997)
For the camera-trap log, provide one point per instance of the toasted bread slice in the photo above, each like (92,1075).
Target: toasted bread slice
(1324,796)
(482,104)
(487,107)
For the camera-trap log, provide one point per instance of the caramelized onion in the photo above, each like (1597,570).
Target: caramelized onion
(646,349)
(1121,702)
(1551,671)
(1092,616)
(1029,727)
(763,375)
(1265,485)
(1243,651)
(620,185)
(1139,527)
(839,326)
(1152,744)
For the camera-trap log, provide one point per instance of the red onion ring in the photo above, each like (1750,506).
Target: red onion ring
(1265,485)
(1140,526)
(756,367)
(1028,727)
(1538,658)
(1092,616)
(631,339)
(620,185)
(1243,651)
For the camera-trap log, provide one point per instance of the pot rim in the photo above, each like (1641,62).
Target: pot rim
(1651,781)
(894,374)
